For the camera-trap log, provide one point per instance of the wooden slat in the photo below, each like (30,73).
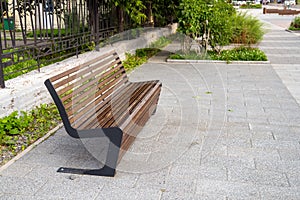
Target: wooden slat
(90,71)
(79,91)
(137,123)
(70,71)
(98,94)
(122,113)
(104,107)
(78,104)
(83,117)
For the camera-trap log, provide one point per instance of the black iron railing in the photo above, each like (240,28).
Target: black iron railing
(36,33)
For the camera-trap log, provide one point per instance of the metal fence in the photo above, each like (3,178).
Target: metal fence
(36,33)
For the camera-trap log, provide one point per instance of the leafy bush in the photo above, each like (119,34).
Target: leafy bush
(146,52)
(17,131)
(132,61)
(251,6)
(141,55)
(210,22)
(56,32)
(241,54)
(236,54)
(192,55)
(295,24)
(24,65)
(160,43)
(247,29)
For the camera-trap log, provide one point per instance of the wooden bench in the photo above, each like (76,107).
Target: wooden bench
(281,11)
(288,12)
(271,10)
(96,99)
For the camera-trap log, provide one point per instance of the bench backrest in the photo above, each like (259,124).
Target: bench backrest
(82,90)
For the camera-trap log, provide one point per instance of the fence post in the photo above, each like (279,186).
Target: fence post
(96,25)
(2,84)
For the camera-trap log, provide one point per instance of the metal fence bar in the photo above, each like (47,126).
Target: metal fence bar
(36,32)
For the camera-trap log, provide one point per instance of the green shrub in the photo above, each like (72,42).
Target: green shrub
(56,32)
(209,20)
(192,55)
(146,52)
(160,43)
(247,29)
(251,6)
(132,61)
(236,54)
(19,130)
(295,24)
(24,65)
(141,55)
(241,54)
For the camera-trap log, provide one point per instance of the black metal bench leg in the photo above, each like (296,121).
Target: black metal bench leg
(104,171)
(109,168)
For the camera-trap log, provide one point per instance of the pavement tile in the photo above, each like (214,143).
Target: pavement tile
(262,135)
(229,189)
(176,195)
(281,166)
(20,185)
(28,197)
(280,193)
(227,161)
(259,177)
(253,152)
(276,144)
(289,154)
(71,188)
(213,173)
(153,179)
(294,178)
(129,194)
(18,169)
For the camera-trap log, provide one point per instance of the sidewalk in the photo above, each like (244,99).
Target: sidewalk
(220,132)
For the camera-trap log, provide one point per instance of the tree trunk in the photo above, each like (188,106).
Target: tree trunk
(150,14)
(120,13)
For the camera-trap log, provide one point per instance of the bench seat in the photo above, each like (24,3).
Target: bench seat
(96,99)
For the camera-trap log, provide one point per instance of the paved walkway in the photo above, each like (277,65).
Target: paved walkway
(283,49)
(220,132)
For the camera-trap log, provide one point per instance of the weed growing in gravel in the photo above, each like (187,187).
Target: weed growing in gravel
(19,130)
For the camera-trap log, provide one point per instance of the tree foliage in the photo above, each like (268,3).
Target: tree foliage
(207,21)
(134,8)
(164,11)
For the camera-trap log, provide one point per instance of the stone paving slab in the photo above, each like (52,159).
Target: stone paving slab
(220,132)
(220,159)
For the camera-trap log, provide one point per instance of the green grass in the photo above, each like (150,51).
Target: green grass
(241,54)
(247,29)
(295,24)
(19,130)
(251,6)
(161,42)
(236,54)
(56,32)
(142,55)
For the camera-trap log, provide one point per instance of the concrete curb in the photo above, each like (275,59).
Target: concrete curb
(216,61)
(29,148)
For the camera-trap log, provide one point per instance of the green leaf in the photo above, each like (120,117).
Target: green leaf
(14,131)
(10,142)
